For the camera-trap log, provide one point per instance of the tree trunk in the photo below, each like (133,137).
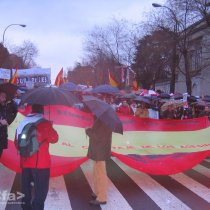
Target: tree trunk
(187,71)
(173,70)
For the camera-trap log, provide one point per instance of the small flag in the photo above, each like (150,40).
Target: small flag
(135,85)
(14,78)
(112,80)
(65,79)
(59,79)
(122,74)
(88,83)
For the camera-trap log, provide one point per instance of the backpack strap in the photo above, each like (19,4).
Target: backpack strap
(36,123)
(37,153)
(39,121)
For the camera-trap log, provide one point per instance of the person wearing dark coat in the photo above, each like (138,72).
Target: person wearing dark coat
(8,112)
(99,150)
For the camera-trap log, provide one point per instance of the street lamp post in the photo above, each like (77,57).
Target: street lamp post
(174,53)
(14,24)
(171,11)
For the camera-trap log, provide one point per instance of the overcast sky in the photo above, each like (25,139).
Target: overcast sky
(58,27)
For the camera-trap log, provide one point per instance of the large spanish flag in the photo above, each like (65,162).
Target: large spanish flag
(112,81)
(153,146)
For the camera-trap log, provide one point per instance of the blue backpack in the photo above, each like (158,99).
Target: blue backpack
(27,140)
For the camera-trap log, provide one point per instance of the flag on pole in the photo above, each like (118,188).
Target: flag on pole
(122,74)
(65,79)
(112,81)
(135,85)
(14,78)
(59,79)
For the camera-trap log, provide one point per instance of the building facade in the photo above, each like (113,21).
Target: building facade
(199,62)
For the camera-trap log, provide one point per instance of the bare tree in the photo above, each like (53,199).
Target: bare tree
(28,52)
(110,47)
(4,54)
(189,22)
(201,9)
(181,17)
(116,40)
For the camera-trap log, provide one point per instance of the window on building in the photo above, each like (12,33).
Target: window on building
(196,59)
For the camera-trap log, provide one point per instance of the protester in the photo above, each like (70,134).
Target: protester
(37,166)
(169,113)
(113,103)
(124,108)
(186,114)
(133,105)
(142,110)
(205,112)
(8,112)
(153,113)
(99,150)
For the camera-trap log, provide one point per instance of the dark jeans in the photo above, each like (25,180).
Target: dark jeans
(40,177)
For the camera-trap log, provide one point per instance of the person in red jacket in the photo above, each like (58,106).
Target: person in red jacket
(36,168)
(124,108)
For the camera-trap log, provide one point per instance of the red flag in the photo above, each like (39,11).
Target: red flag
(65,79)
(112,81)
(135,85)
(14,78)
(59,79)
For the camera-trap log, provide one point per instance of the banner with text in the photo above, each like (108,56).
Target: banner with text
(33,77)
(149,145)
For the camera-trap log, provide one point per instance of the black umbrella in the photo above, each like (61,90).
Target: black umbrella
(164,95)
(9,89)
(207,98)
(129,96)
(49,96)
(191,99)
(69,86)
(104,112)
(106,89)
(178,96)
(142,99)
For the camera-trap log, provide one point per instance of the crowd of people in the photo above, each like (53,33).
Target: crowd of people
(35,170)
(156,107)
(151,106)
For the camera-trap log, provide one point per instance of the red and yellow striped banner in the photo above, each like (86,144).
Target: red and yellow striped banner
(150,145)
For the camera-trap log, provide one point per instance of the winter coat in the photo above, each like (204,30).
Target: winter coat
(100,139)
(142,112)
(124,109)
(7,112)
(41,159)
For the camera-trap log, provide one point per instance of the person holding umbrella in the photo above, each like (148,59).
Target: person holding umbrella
(106,121)
(99,150)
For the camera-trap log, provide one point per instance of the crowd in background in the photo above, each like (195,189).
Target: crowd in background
(157,108)
(151,106)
